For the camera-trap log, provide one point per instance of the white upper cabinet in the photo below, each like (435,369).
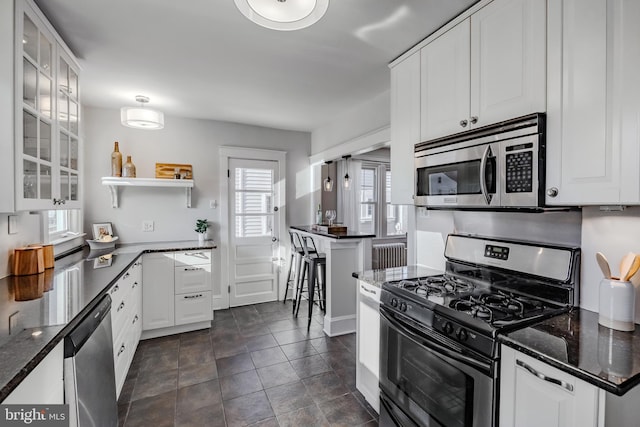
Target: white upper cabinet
(47,115)
(488,68)
(593,122)
(405,127)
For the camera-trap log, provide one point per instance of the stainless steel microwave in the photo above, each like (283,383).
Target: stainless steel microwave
(499,166)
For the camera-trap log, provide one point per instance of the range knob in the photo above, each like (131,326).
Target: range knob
(447,328)
(403,306)
(462,334)
(394,302)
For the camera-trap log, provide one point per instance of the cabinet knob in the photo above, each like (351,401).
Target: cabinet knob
(464,123)
(474,120)
(552,192)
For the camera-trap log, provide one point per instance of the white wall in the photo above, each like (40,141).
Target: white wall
(190,141)
(28,232)
(358,121)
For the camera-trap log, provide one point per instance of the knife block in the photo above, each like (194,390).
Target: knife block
(27,261)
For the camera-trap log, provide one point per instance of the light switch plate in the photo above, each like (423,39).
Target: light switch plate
(13,224)
(147,225)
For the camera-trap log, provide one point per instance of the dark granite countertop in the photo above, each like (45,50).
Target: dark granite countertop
(54,302)
(378,277)
(347,235)
(575,343)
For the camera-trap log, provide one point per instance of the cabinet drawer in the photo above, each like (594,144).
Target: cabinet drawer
(193,278)
(120,309)
(193,257)
(195,307)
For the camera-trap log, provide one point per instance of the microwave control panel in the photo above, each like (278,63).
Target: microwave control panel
(519,170)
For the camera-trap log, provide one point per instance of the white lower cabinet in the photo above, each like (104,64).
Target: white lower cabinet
(533,394)
(176,291)
(368,343)
(44,385)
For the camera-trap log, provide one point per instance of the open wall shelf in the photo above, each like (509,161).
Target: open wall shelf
(115,182)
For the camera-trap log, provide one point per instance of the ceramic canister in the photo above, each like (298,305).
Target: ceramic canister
(617,305)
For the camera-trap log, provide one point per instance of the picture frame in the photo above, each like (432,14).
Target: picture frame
(102,261)
(101,229)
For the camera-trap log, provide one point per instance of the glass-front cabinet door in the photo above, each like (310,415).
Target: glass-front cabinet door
(47,116)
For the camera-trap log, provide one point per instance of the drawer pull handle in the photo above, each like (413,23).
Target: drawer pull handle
(367,290)
(121,350)
(194,269)
(542,376)
(115,289)
(196,254)
(135,319)
(120,307)
(192,296)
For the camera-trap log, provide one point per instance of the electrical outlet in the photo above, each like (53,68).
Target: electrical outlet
(213,204)
(13,224)
(147,225)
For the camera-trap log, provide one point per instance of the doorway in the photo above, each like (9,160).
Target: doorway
(252,220)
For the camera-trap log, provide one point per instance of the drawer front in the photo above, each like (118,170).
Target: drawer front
(192,278)
(196,257)
(120,309)
(121,361)
(192,308)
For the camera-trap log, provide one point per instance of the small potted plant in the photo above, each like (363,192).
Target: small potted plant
(201,228)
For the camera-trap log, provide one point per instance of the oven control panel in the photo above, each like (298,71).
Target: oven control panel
(497,252)
(463,334)
(407,307)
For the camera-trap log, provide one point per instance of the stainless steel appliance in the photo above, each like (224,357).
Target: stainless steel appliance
(493,167)
(439,353)
(89,375)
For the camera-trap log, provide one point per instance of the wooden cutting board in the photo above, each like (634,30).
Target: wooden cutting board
(167,170)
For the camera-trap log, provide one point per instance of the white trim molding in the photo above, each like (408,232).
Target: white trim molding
(369,141)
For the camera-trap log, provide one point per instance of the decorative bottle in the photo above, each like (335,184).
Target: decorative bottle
(116,161)
(129,169)
(319,215)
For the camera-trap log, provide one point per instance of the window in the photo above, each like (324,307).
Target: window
(253,202)
(393,220)
(62,225)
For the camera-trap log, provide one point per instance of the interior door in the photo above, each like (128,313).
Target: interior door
(254,231)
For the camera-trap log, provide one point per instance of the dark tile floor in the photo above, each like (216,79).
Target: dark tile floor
(257,365)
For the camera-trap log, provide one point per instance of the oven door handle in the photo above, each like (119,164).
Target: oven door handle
(432,345)
(483,174)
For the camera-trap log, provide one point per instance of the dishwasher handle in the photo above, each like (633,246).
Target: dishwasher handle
(74,341)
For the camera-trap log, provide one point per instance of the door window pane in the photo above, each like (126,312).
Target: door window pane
(254,226)
(254,179)
(45,141)
(30,180)
(45,182)
(29,78)
(253,204)
(30,38)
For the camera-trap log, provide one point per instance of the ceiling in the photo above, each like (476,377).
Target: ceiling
(204,59)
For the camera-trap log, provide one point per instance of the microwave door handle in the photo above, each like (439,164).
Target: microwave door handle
(483,169)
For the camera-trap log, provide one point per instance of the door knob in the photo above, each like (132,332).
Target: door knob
(464,123)
(552,192)
(274,239)
(275,209)
(474,120)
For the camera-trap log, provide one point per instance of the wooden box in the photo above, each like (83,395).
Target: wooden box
(330,229)
(168,170)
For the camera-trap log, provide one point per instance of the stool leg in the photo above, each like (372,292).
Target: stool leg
(286,291)
(303,272)
(311,285)
(323,275)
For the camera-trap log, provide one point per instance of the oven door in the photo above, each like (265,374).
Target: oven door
(463,177)
(429,381)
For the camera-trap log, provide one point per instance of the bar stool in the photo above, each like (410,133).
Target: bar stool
(313,261)
(297,255)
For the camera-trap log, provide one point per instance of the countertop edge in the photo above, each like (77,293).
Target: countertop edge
(618,390)
(11,385)
(307,229)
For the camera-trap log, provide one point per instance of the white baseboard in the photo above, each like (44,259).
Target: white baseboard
(339,325)
(162,332)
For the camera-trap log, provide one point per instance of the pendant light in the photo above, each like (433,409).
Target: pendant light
(140,117)
(328,182)
(283,15)
(346,182)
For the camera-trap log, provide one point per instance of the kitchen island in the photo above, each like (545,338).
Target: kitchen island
(346,253)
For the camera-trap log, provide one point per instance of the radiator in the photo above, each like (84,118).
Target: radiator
(389,255)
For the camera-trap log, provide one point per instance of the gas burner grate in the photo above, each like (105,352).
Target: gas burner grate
(437,286)
(498,307)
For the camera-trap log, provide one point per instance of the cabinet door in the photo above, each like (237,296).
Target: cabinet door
(582,156)
(508,60)
(7,105)
(405,128)
(528,400)
(157,291)
(445,83)
(192,308)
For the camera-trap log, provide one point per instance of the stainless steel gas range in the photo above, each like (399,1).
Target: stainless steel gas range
(440,356)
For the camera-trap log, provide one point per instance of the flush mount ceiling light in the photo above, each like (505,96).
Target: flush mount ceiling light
(283,15)
(140,117)
(328,182)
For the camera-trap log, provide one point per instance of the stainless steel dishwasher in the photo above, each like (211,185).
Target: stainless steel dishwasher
(89,375)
